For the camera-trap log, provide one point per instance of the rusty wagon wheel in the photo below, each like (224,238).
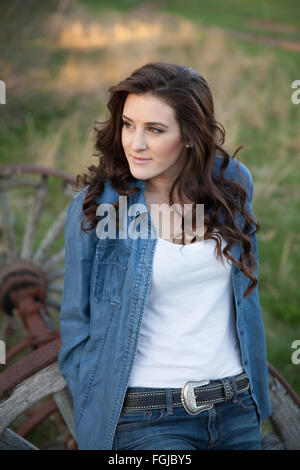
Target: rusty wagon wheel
(33,205)
(24,384)
(31,263)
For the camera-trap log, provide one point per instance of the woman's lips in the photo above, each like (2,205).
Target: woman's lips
(140,160)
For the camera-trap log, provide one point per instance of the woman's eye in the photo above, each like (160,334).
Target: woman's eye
(158,130)
(127,124)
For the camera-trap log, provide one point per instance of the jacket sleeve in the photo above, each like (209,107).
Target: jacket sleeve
(247,182)
(75,306)
(252,234)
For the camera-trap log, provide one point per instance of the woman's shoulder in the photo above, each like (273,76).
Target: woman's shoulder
(81,193)
(75,214)
(235,171)
(107,195)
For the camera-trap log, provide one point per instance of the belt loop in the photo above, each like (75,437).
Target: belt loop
(227,389)
(234,388)
(169,401)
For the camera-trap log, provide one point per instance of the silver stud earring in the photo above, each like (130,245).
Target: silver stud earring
(187,145)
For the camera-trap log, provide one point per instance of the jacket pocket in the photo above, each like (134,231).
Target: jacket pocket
(111,266)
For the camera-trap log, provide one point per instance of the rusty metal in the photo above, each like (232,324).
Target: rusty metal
(23,287)
(32,341)
(22,370)
(27,366)
(37,418)
(23,281)
(23,276)
(7,170)
(16,276)
(15,350)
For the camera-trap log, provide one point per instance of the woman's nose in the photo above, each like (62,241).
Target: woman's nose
(138,141)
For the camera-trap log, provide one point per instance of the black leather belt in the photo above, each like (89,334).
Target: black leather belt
(195,396)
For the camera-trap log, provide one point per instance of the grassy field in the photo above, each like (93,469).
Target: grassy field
(61,58)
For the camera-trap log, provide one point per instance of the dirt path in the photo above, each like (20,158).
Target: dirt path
(278,42)
(150,8)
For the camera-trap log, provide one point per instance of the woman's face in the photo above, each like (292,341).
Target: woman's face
(159,144)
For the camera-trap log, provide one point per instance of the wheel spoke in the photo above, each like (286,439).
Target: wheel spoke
(48,322)
(21,215)
(7,227)
(7,183)
(56,258)
(56,287)
(55,273)
(33,218)
(51,236)
(54,303)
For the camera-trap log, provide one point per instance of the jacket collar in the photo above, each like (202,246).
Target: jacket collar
(138,197)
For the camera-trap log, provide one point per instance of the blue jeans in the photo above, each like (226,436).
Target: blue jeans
(229,425)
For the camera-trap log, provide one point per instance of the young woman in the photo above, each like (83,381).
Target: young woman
(163,343)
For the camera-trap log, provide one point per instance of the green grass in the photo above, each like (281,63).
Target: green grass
(229,14)
(233,13)
(39,124)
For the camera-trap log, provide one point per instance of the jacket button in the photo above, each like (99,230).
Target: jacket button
(242,332)
(246,362)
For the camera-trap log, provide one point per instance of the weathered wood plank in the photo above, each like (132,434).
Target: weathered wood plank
(272,442)
(285,416)
(10,440)
(64,402)
(45,382)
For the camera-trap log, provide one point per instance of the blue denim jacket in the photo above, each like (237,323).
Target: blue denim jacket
(106,286)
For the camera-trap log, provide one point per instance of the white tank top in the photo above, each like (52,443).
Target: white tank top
(188,331)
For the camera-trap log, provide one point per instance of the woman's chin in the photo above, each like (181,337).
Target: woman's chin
(140,173)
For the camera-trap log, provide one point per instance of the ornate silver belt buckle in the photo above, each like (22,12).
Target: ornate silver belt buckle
(188,398)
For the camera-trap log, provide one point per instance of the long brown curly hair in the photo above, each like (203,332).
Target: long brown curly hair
(189,95)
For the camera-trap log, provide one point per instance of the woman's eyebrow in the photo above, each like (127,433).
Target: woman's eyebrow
(160,123)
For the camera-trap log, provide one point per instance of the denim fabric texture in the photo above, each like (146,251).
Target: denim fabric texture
(106,286)
(227,426)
